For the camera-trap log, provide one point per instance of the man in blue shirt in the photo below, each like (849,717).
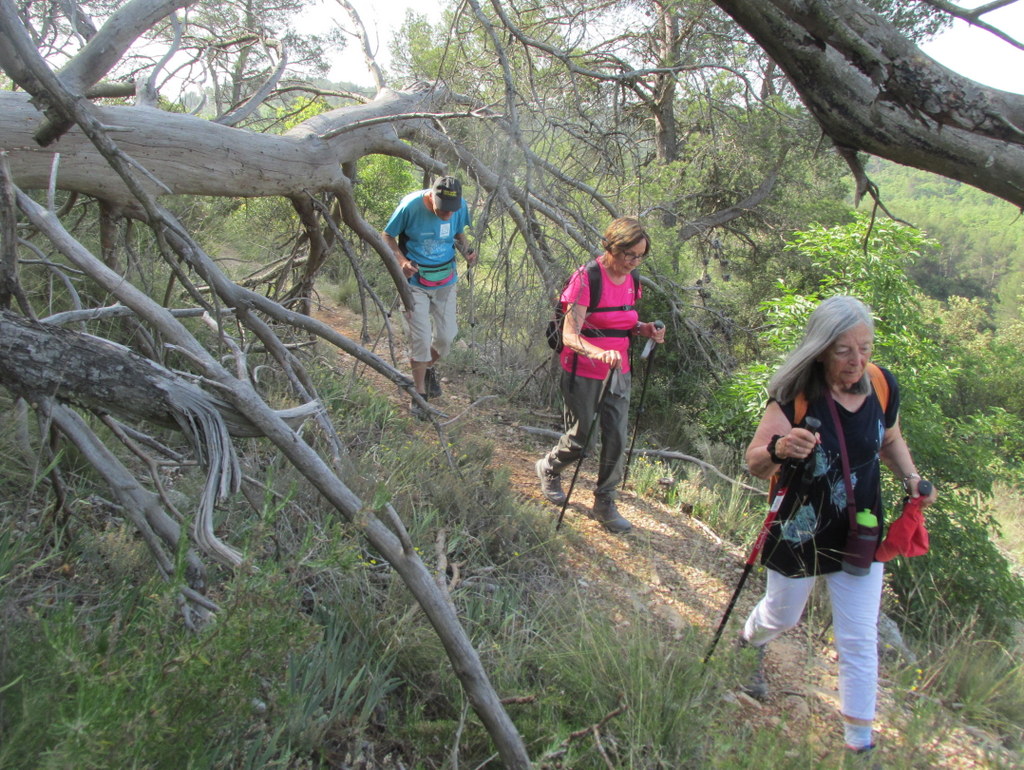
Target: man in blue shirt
(424,233)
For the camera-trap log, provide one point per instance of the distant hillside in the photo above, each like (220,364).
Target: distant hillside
(980,237)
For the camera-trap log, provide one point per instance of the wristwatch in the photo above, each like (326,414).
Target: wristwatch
(771,449)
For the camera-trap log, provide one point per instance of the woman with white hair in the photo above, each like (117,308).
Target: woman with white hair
(837,526)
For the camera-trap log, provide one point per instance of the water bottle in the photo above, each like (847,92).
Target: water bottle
(861,543)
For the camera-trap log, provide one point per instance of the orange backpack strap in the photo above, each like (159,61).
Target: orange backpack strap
(799,408)
(880,385)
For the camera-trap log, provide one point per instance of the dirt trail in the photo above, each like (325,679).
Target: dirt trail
(674,572)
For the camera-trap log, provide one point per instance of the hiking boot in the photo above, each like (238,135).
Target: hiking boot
(862,758)
(550,482)
(606,512)
(757,686)
(433,384)
(418,411)
(862,751)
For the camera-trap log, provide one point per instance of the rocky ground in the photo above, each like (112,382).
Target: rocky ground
(673,569)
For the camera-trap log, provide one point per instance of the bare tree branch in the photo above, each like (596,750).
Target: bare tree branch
(872,90)
(364,42)
(973,17)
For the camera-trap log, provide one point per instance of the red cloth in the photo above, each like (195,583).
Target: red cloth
(907,535)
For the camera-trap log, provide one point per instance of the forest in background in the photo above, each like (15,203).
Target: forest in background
(752,222)
(979,253)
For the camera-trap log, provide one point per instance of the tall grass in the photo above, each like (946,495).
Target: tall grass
(734,513)
(1008,504)
(978,679)
(321,658)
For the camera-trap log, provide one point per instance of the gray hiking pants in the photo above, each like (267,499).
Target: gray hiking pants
(580,396)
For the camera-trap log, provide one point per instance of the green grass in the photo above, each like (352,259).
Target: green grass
(733,513)
(1009,512)
(321,657)
(978,679)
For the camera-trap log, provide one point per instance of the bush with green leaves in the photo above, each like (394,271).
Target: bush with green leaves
(958,442)
(382,183)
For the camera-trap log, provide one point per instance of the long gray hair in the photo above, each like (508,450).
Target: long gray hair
(802,372)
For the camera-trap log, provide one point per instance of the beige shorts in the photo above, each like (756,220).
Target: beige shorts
(431,323)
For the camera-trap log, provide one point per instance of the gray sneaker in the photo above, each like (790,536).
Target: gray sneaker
(550,482)
(433,383)
(606,512)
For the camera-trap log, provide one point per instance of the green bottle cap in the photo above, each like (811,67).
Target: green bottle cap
(867,519)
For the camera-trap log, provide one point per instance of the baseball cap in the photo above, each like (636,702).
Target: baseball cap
(449,192)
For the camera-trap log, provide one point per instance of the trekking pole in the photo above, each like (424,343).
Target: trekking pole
(586,443)
(472,315)
(783,502)
(648,354)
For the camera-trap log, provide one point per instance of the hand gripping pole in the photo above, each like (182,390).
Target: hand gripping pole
(787,495)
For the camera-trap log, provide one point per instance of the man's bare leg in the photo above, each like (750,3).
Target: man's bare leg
(419,374)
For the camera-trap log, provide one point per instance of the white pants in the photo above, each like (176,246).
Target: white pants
(855,603)
(431,308)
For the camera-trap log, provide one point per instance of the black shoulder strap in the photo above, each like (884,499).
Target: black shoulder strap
(594,280)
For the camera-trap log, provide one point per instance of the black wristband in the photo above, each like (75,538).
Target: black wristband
(771,449)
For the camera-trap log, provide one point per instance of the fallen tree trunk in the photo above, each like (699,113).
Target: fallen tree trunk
(38,359)
(186,155)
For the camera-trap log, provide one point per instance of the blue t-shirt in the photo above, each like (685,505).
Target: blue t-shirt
(428,240)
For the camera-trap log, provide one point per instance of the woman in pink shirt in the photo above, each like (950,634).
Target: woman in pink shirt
(596,345)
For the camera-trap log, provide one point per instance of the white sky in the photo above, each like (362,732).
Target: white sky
(968,50)
(981,56)
(382,18)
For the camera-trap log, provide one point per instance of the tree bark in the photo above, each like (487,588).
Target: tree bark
(39,359)
(874,91)
(192,156)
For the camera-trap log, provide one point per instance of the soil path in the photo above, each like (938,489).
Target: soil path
(675,573)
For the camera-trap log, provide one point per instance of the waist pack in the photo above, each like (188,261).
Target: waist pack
(433,275)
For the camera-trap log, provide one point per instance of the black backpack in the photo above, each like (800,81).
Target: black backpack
(554,330)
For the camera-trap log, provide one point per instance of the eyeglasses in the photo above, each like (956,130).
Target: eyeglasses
(631,257)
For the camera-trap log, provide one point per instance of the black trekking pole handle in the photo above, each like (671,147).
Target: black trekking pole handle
(790,470)
(648,354)
(586,444)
